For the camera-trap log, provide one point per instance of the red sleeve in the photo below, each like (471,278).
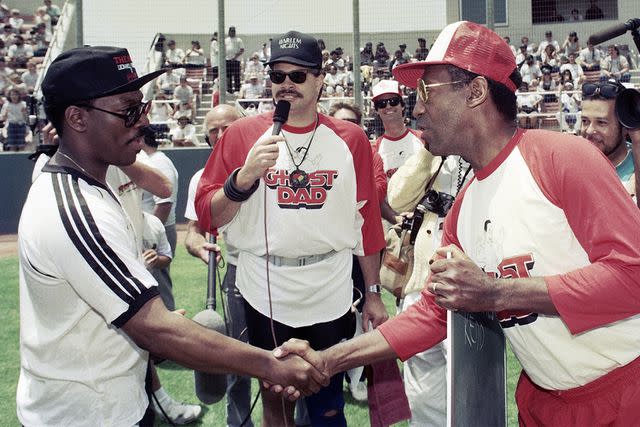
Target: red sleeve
(380,176)
(579,179)
(416,329)
(360,147)
(228,154)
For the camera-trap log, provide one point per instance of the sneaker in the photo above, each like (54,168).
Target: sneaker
(179,413)
(358,390)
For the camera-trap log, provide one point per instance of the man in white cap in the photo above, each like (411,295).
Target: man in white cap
(562,277)
(398,142)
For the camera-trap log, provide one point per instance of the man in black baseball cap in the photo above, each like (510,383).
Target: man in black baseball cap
(90,310)
(314,226)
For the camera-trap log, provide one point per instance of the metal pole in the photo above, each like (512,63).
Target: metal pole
(222,55)
(79,27)
(491,24)
(357,76)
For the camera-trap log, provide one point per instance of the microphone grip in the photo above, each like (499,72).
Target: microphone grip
(277,126)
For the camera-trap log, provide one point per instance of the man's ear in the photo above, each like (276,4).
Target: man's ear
(75,117)
(478,91)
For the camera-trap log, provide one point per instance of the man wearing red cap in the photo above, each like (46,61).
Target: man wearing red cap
(530,238)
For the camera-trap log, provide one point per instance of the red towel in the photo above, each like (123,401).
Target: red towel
(388,403)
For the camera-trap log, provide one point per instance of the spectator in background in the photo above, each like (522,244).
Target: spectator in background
(547,41)
(168,82)
(547,84)
(183,92)
(575,15)
(174,55)
(254,88)
(53,11)
(19,53)
(381,57)
(521,56)
(590,57)
(16,21)
(253,66)
(7,35)
(507,40)
(398,59)
(594,12)
(571,44)
(614,66)
(528,101)
(406,55)
(30,77)
(14,116)
(40,39)
(531,50)
(421,50)
(549,58)
(366,54)
(569,113)
(165,210)
(183,135)
(576,70)
(234,48)
(333,82)
(265,52)
(530,70)
(194,55)
(160,112)
(214,48)
(41,17)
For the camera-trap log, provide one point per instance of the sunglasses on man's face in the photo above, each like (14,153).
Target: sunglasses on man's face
(382,103)
(297,76)
(131,115)
(605,90)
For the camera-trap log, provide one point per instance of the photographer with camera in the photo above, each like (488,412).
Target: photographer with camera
(603,129)
(425,381)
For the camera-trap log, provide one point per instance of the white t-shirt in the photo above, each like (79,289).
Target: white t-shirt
(160,161)
(395,151)
(81,280)
(154,236)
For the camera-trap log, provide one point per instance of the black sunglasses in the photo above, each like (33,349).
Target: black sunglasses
(382,103)
(297,76)
(605,90)
(131,115)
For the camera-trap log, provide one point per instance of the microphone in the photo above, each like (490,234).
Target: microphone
(614,31)
(280,116)
(210,388)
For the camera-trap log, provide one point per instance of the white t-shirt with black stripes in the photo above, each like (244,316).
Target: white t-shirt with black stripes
(81,279)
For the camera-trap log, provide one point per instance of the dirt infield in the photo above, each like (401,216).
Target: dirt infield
(8,245)
(9,242)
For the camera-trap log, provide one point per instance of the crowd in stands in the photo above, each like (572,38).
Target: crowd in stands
(24,40)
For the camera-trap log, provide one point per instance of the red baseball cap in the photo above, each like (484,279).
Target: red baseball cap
(469,46)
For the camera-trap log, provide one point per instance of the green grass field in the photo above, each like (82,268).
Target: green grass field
(189,278)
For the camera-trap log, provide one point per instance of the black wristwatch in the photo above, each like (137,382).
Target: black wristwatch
(375,288)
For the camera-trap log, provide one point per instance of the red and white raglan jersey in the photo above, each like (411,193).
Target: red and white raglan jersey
(548,205)
(396,151)
(337,211)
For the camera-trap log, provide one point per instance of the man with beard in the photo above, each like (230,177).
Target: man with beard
(297,205)
(601,127)
(562,272)
(90,312)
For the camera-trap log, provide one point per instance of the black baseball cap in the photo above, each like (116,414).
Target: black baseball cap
(296,48)
(91,72)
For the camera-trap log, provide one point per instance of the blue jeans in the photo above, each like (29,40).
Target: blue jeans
(238,387)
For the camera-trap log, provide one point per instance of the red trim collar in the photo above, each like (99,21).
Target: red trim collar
(305,129)
(501,157)
(398,138)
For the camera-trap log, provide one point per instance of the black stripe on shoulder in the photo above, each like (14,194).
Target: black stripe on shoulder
(122,268)
(79,243)
(145,297)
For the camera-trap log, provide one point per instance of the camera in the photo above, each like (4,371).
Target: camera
(433,201)
(628,108)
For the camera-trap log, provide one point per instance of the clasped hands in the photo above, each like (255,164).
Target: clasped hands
(305,369)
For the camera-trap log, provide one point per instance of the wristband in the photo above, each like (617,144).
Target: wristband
(374,289)
(235,194)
